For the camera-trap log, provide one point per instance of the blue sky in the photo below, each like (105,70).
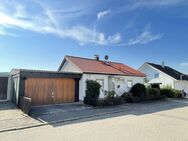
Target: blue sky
(37,34)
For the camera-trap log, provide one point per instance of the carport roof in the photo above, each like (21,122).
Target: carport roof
(43,73)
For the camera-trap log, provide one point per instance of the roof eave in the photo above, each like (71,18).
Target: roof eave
(105,73)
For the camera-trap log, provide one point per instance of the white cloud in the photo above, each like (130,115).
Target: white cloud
(153,3)
(46,22)
(184,64)
(144,38)
(102,14)
(115,38)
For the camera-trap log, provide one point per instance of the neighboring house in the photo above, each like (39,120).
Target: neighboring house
(164,76)
(111,75)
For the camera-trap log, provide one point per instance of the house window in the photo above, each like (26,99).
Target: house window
(129,83)
(120,82)
(156,75)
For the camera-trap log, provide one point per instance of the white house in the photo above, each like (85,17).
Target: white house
(111,75)
(164,76)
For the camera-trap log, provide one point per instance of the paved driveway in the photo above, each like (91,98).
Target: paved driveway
(12,117)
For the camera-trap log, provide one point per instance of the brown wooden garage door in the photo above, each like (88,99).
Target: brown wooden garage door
(43,91)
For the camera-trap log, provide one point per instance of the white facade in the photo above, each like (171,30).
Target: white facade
(154,75)
(118,83)
(181,85)
(70,67)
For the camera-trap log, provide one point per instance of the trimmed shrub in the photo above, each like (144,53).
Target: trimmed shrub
(92,92)
(167,92)
(138,90)
(118,100)
(126,97)
(151,94)
(109,101)
(153,91)
(177,94)
(110,94)
(172,93)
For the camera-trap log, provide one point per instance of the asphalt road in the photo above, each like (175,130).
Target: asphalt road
(167,122)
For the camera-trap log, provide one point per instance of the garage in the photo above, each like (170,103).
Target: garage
(45,91)
(45,87)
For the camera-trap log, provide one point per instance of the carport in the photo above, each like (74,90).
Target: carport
(44,87)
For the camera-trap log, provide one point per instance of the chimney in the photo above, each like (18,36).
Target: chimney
(96,57)
(163,64)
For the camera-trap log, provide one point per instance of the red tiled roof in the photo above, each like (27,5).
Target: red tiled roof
(94,66)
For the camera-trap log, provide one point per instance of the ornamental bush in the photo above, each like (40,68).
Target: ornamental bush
(153,91)
(172,93)
(110,94)
(92,92)
(138,90)
(110,101)
(168,92)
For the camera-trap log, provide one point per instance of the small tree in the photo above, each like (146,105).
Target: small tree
(138,90)
(92,92)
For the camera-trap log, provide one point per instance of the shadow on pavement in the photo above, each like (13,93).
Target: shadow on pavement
(6,105)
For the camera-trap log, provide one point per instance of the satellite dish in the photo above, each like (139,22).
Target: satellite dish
(106,57)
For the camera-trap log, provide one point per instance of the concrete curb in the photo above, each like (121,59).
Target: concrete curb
(60,121)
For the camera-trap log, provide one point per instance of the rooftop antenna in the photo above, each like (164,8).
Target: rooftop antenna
(106,57)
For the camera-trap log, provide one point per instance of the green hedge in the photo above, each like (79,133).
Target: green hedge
(110,101)
(137,93)
(150,94)
(172,93)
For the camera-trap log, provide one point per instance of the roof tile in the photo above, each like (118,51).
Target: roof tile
(94,66)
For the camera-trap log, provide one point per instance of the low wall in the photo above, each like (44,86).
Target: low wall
(25,104)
